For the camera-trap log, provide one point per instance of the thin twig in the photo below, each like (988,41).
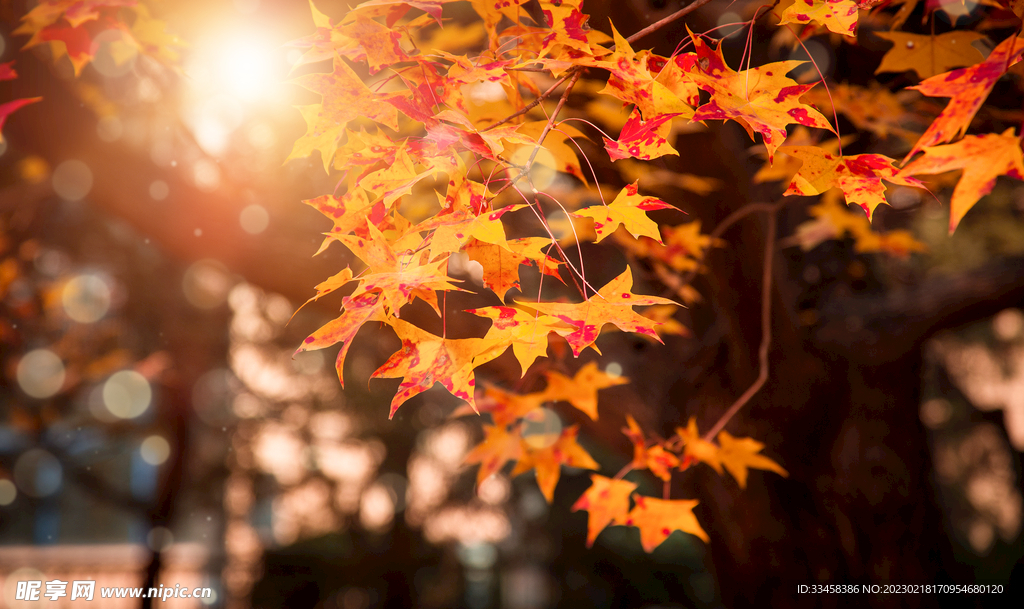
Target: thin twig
(657,25)
(766,328)
(543,134)
(534,103)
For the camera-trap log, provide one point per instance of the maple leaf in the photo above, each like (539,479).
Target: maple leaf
(393,10)
(526,332)
(379,42)
(358,310)
(631,81)
(640,139)
(760,99)
(739,454)
(833,220)
(498,448)
(982,157)
(612,304)
(397,277)
(426,358)
(968,89)
(697,448)
(929,55)
(568,27)
(548,461)
(501,262)
(150,36)
(657,518)
(636,436)
(859,177)
(839,16)
(873,108)
(465,217)
(606,502)
(628,209)
(505,407)
(665,315)
(339,279)
(67,39)
(656,458)
(581,390)
(345,98)
(394,181)
(326,42)
(349,212)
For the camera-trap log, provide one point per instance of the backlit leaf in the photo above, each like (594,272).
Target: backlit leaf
(606,502)
(657,518)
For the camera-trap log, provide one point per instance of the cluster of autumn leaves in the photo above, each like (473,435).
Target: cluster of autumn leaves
(607,501)
(473,121)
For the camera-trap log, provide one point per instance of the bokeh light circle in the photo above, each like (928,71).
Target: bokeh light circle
(206,284)
(127,394)
(38,473)
(254,219)
(86,298)
(8,492)
(40,373)
(155,450)
(159,539)
(72,180)
(159,190)
(541,428)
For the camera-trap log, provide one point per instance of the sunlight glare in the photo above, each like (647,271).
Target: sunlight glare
(247,67)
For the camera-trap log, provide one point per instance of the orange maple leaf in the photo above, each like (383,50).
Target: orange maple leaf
(349,212)
(631,81)
(760,99)
(657,518)
(345,98)
(498,448)
(628,209)
(983,158)
(697,448)
(968,89)
(358,310)
(606,502)
(505,407)
(859,177)
(526,332)
(612,304)
(839,16)
(739,454)
(379,42)
(581,390)
(501,264)
(656,458)
(929,55)
(399,277)
(426,358)
(636,436)
(548,461)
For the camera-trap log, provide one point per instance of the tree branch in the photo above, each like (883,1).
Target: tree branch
(766,318)
(657,25)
